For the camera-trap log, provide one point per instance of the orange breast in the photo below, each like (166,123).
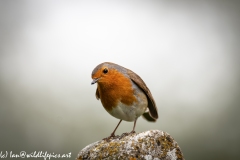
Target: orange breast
(114,88)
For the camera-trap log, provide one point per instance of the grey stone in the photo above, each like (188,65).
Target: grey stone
(148,145)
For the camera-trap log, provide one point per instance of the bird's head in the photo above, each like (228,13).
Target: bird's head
(107,72)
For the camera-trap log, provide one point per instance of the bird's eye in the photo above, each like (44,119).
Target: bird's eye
(105,70)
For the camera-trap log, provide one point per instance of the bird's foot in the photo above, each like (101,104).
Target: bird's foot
(111,136)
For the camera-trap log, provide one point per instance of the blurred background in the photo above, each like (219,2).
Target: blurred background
(187,52)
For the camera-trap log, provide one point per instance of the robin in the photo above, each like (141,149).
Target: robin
(123,94)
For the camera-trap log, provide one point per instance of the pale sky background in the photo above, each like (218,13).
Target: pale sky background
(187,52)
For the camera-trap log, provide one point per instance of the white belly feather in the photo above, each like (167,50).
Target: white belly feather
(130,113)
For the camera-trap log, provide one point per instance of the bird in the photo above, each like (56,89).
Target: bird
(123,94)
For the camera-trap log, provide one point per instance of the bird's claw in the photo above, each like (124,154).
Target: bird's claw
(111,136)
(117,136)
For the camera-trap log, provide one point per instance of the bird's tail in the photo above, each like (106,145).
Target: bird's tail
(148,117)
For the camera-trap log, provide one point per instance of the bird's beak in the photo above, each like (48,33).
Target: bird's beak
(94,81)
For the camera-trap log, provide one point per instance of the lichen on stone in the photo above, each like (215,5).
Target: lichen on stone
(154,145)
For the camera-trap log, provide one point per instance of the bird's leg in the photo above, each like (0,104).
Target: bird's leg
(113,133)
(133,131)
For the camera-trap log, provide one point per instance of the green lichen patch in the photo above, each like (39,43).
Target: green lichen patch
(146,145)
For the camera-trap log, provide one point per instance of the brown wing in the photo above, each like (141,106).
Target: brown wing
(97,94)
(151,103)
